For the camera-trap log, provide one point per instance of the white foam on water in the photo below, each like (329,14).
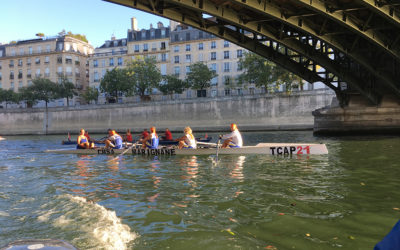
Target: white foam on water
(4,214)
(102,225)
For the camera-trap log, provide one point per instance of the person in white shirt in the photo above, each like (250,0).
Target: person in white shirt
(233,139)
(188,140)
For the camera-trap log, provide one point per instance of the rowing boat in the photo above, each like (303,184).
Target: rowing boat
(261,148)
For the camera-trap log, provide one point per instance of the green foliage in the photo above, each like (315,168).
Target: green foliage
(115,81)
(262,72)
(90,94)
(200,76)
(40,34)
(143,75)
(8,96)
(66,89)
(76,36)
(172,84)
(44,90)
(26,95)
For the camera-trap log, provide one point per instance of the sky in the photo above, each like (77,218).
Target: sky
(97,19)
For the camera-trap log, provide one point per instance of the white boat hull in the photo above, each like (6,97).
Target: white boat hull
(262,148)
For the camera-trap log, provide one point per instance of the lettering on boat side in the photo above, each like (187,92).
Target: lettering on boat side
(152,151)
(105,151)
(289,150)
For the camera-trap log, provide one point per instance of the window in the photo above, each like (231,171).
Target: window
(226,54)
(187,47)
(59,70)
(153,46)
(13,52)
(95,63)
(11,63)
(176,37)
(111,62)
(21,51)
(103,63)
(239,66)
(188,58)
(239,53)
(213,55)
(38,73)
(214,81)
(48,48)
(226,67)
(201,46)
(163,33)
(19,62)
(163,57)
(47,72)
(96,76)
(30,50)
(12,85)
(20,74)
(39,49)
(227,80)
(28,61)
(213,45)
(68,71)
(68,60)
(143,34)
(145,47)
(251,90)
(37,60)
(240,91)
(200,34)
(162,46)
(187,69)
(189,93)
(0,76)
(177,70)
(213,93)
(176,59)
(152,33)
(226,44)
(119,61)
(214,67)
(163,69)
(201,57)
(187,36)
(227,92)
(137,48)
(46,59)
(176,48)
(29,74)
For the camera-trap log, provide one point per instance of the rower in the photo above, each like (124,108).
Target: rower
(167,136)
(114,140)
(128,136)
(233,139)
(188,140)
(151,141)
(82,141)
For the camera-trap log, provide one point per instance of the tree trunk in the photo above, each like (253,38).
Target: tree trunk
(67,102)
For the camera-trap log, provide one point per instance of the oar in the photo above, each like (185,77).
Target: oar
(126,150)
(219,139)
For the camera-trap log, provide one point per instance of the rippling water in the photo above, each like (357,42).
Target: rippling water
(348,199)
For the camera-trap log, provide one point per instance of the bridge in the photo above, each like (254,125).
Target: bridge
(352,46)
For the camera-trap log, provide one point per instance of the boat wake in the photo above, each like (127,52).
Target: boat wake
(96,226)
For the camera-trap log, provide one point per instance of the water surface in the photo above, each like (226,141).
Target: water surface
(348,199)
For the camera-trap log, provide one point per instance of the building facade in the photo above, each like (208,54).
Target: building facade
(51,58)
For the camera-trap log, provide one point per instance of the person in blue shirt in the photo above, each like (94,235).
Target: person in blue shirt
(151,141)
(114,140)
(82,141)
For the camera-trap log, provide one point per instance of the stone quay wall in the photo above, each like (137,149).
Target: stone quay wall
(252,113)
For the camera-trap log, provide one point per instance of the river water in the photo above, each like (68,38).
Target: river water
(348,199)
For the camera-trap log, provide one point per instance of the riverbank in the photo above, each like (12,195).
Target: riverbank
(252,113)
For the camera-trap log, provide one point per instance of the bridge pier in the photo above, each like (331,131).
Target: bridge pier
(358,117)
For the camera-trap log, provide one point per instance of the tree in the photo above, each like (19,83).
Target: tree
(44,90)
(115,81)
(262,72)
(143,75)
(66,89)
(172,84)
(8,96)
(200,76)
(90,94)
(26,95)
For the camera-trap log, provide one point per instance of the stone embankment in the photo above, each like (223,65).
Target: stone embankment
(251,113)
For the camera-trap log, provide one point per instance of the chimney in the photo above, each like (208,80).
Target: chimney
(134,23)
(160,25)
(112,37)
(151,26)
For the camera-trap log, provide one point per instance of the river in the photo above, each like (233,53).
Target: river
(348,199)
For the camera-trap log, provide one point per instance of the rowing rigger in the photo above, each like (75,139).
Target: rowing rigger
(261,148)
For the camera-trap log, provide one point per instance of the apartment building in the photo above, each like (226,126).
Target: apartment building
(23,61)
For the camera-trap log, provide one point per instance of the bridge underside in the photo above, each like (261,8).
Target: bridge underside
(352,46)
